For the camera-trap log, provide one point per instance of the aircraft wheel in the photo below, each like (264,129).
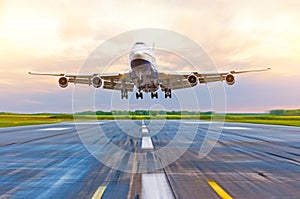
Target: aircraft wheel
(168,93)
(139,95)
(154,95)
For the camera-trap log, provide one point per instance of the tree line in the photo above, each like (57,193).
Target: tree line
(284,112)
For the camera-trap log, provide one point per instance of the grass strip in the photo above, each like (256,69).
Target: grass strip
(8,120)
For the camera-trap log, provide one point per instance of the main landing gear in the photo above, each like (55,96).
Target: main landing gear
(139,95)
(168,93)
(124,94)
(154,95)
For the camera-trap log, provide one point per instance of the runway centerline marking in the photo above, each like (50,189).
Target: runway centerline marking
(99,192)
(219,190)
(53,129)
(154,186)
(235,128)
(145,130)
(147,143)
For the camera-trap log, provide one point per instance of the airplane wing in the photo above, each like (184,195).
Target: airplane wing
(122,81)
(113,81)
(189,79)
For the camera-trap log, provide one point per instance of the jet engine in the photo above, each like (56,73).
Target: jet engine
(63,82)
(192,79)
(230,80)
(96,82)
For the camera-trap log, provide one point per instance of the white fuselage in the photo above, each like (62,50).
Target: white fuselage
(143,71)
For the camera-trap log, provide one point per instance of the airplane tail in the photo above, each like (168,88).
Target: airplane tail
(153,48)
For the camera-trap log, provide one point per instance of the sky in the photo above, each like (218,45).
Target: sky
(58,36)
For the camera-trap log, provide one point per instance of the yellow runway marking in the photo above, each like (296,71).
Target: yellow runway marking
(98,194)
(219,190)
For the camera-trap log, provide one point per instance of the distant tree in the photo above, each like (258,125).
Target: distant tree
(86,113)
(161,112)
(293,112)
(278,112)
(154,113)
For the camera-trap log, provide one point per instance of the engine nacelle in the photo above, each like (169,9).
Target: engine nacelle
(230,80)
(63,82)
(96,82)
(192,79)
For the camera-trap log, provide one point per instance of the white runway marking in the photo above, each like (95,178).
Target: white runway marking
(235,128)
(145,130)
(144,126)
(155,186)
(53,129)
(147,143)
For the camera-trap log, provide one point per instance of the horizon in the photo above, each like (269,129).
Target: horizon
(167,111)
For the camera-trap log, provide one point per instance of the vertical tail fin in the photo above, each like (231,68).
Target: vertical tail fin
(153,48)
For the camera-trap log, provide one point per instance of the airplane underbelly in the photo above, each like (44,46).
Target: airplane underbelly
(149,87)
(147,84)
(145,78)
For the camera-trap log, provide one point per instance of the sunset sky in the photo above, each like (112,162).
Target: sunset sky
(57,36)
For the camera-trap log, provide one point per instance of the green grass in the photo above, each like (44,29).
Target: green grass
(264,119)
(8,120)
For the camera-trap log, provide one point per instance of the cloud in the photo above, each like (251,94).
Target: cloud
(242,32)
(2,8)
(58,36)
(73,25)
(28,101)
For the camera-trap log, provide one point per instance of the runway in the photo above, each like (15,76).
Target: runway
(248,161)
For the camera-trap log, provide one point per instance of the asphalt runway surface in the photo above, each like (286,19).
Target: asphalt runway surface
(248,161)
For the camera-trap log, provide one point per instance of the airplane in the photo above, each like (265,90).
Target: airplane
(144,76)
